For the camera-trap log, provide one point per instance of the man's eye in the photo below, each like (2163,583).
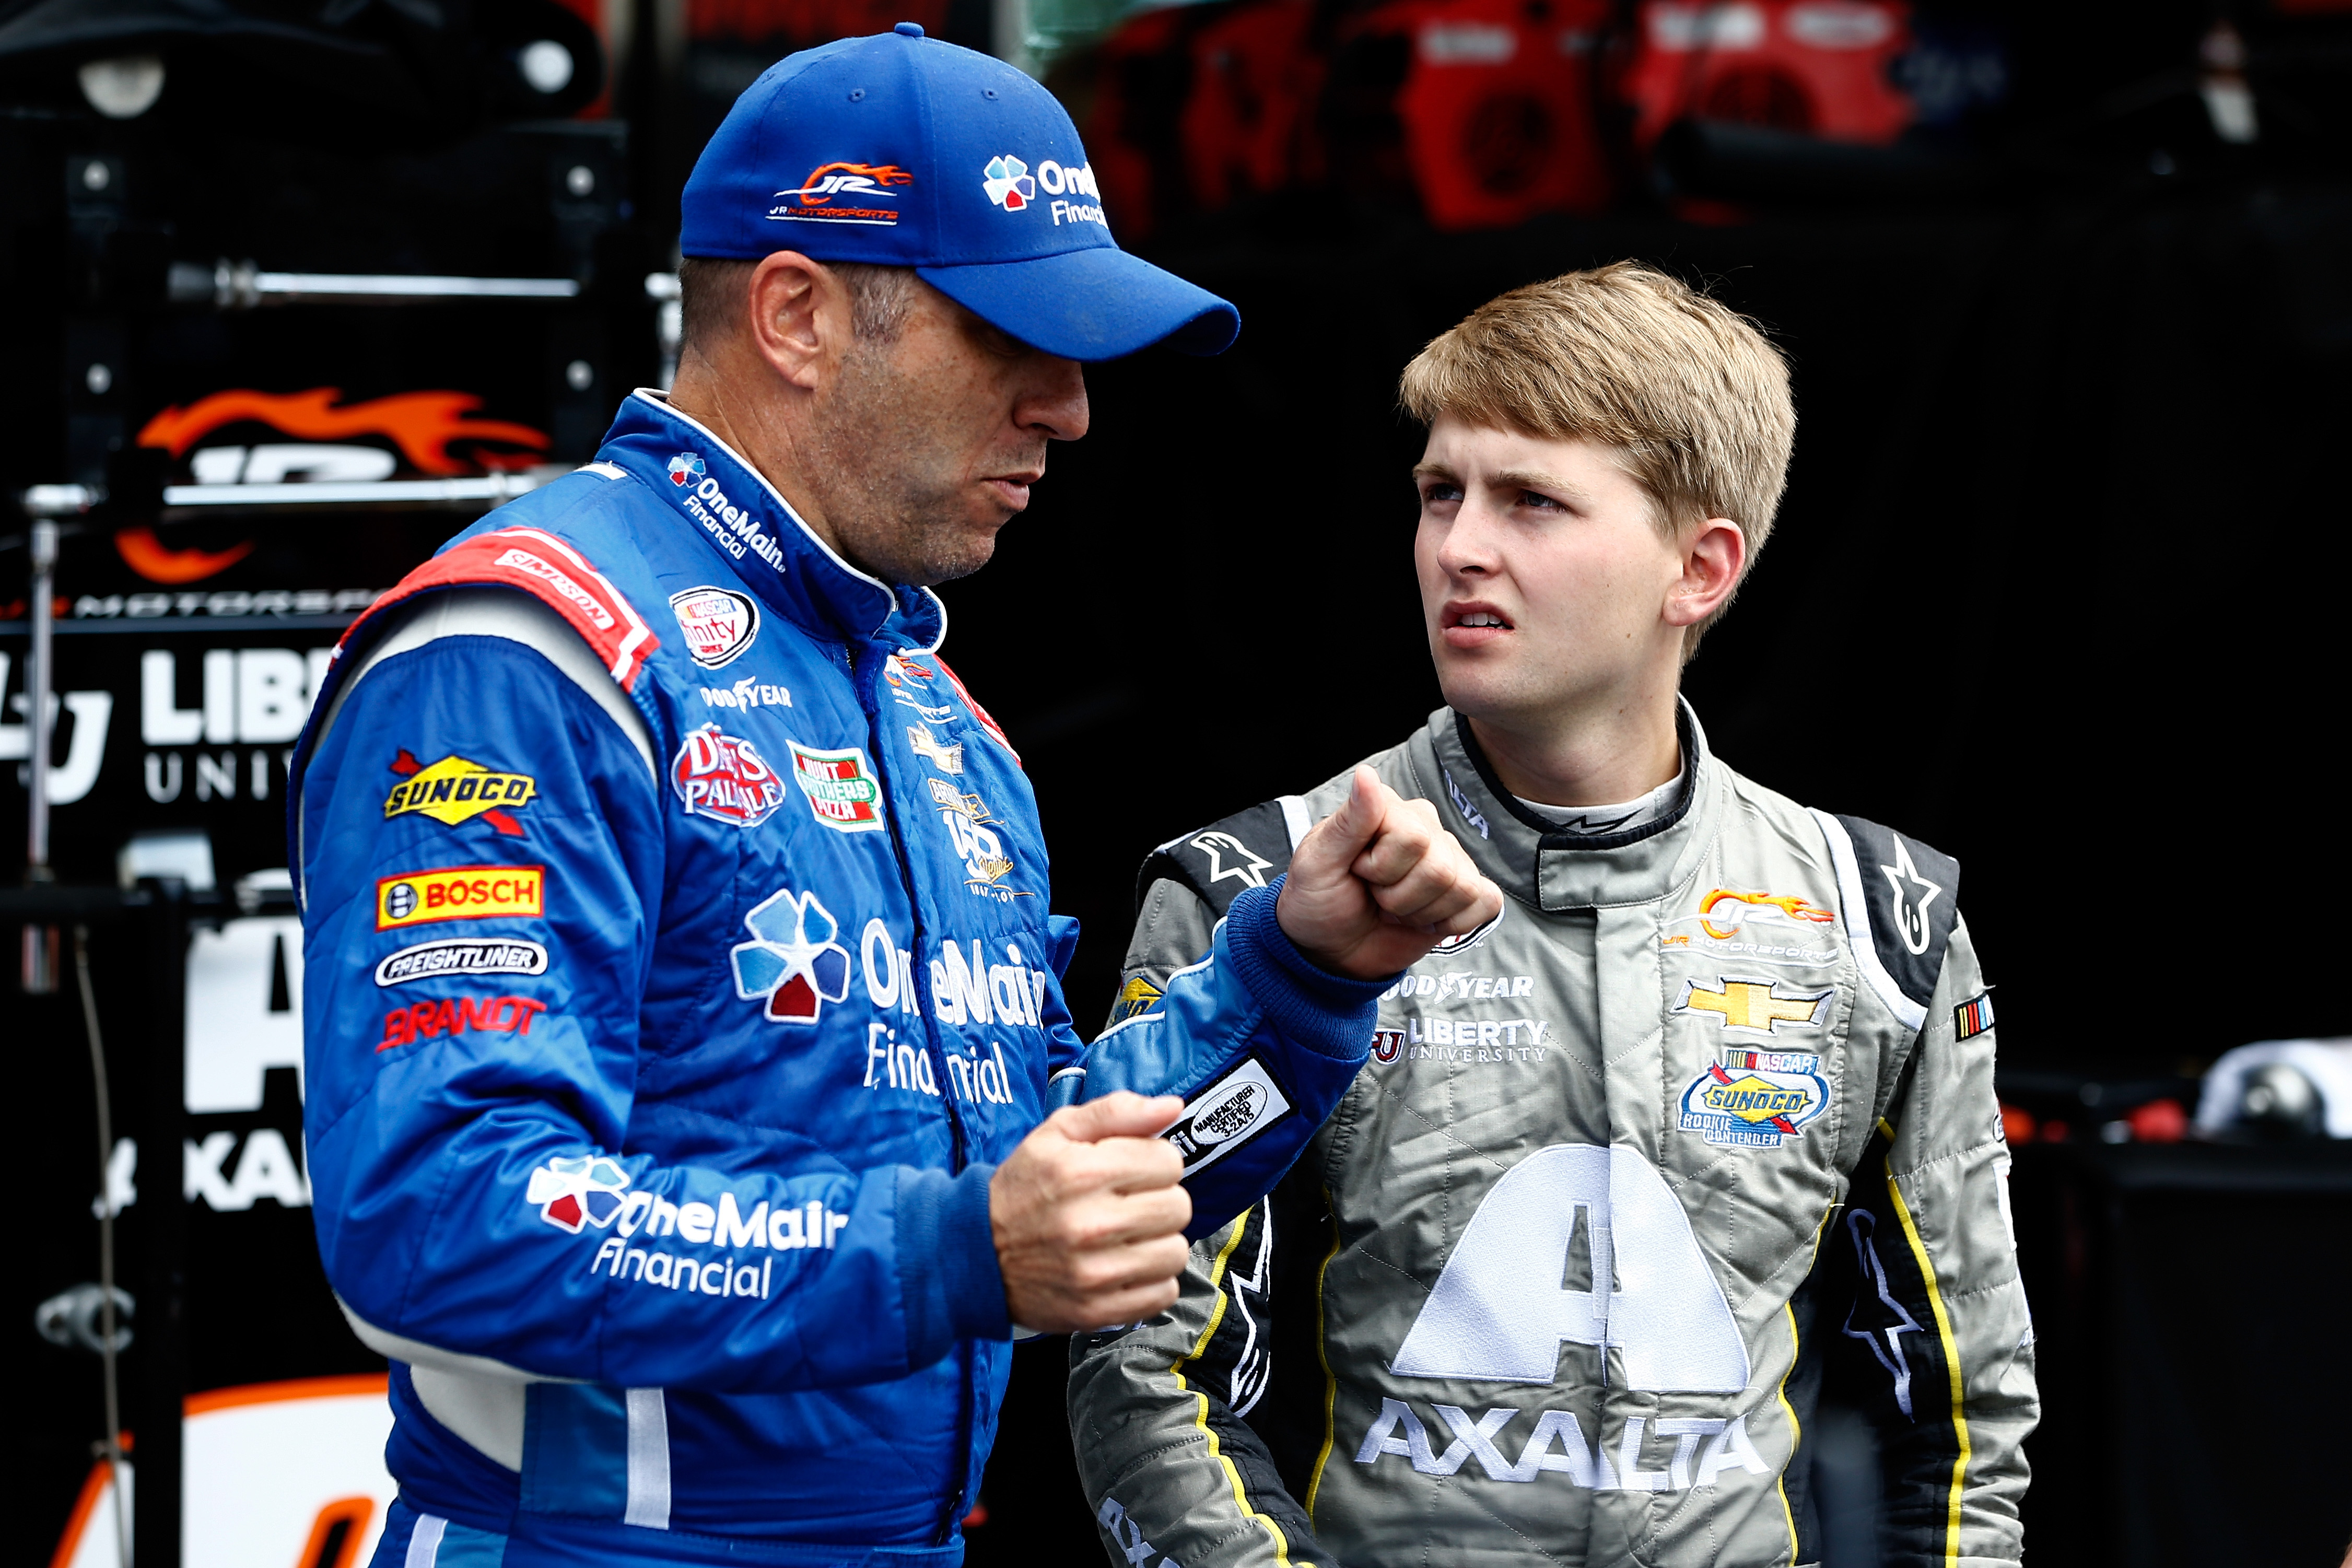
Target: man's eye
(1538,501)
(1435,493)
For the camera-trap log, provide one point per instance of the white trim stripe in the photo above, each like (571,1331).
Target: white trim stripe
(604,471)
(1855,910)
(1295,818)
(424,1540)
(648,1503)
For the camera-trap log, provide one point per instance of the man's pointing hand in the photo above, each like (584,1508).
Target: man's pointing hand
(1377,883)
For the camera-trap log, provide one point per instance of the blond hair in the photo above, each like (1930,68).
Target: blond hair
(1690,394)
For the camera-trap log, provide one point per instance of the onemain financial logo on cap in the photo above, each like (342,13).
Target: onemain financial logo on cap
(843,193)
(1010,185)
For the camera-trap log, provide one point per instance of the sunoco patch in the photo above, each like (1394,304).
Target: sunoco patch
(1755,1099)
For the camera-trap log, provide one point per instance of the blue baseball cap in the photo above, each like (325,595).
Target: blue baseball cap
(901,150)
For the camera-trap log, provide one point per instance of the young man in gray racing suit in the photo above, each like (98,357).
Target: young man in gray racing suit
(1704,1119)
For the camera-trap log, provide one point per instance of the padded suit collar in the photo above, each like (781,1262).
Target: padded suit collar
(1552,868)
(731,506)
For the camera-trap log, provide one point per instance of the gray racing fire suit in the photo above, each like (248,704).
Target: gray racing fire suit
(1704,1119)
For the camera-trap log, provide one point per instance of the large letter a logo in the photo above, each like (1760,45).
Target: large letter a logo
(1500,1309)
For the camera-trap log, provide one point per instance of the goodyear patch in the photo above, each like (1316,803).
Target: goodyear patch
(456,790)
(460,893)
(1754,1099)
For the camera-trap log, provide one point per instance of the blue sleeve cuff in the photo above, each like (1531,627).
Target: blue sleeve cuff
(947,1273)
(1329,1014)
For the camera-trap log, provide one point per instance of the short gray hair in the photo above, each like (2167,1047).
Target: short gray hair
(711,290)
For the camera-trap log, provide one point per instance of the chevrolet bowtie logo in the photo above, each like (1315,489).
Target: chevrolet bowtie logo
(1758,1005)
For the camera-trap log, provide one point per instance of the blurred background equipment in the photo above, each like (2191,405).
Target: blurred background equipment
(293,293)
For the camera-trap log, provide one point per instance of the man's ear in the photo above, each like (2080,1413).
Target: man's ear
(1712,558)
(799,318)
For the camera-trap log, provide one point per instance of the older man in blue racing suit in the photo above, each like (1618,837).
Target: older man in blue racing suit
(684,1000)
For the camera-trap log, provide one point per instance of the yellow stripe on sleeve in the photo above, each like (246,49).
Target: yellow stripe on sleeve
(1951,1360)
(1201,1416)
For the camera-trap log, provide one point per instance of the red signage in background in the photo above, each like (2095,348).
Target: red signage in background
(1498,108)
(805,22)
(1814,68)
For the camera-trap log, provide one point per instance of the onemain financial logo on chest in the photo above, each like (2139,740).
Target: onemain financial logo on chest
(705,500)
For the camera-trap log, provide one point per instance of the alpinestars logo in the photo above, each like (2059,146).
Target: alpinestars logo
(685,469)
(1006,179)
(791,963)
(585,1190)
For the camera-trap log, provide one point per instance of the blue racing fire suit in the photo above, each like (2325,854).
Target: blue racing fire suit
(679,968)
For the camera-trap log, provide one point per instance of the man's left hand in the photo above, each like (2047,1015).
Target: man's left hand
(1377,883)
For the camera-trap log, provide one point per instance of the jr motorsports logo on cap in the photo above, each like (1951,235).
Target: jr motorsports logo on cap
(845,193)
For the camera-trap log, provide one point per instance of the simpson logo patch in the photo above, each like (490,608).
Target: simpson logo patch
(460,893)
(1226,1115)
(1754,1099)
(842,790)
(717,623)
(718,775)
(456,790)
(461,955)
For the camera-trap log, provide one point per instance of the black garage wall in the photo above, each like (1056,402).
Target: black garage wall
(2048,588)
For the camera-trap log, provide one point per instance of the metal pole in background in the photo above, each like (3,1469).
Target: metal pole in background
(40,957)
(160,1356)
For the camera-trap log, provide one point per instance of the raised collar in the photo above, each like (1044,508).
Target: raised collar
(1553,867)
(731,506)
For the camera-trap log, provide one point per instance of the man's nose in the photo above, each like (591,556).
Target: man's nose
(1468,547)
(1054,402)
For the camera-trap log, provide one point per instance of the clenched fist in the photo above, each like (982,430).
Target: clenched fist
(1379,882)
(1089,1218)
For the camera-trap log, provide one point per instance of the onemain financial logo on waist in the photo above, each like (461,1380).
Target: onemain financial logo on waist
(705,500)
(585,1191)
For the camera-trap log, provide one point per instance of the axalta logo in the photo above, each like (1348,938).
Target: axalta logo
(842,790)
(843,193)
(684,469)
(460,893)
(457,790)
(793,964)
(718,775)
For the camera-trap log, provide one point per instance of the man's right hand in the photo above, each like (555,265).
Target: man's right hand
(1089,1218)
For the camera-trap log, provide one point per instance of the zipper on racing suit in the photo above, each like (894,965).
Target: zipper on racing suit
(870,699)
